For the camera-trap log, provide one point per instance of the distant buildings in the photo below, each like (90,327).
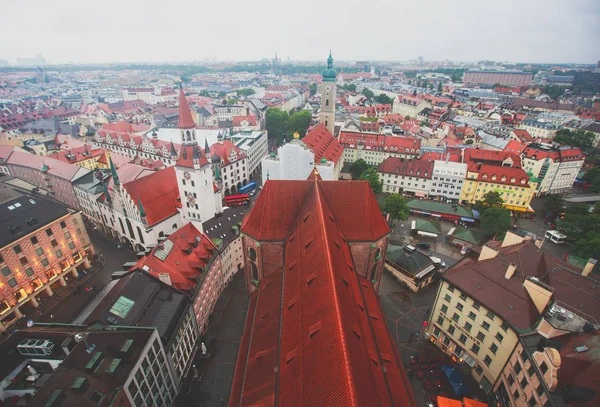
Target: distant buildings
(314,255)
(408,106)
(407,177)
(506,78)
(151,96)
(375,148)
(42,244)
(539,129)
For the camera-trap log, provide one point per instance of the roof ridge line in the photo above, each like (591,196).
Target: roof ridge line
(351,387)
(248,350)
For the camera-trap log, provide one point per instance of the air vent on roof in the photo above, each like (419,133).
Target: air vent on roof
(127,346)
(95,362)
(581,349)
(80,384)
(114,365)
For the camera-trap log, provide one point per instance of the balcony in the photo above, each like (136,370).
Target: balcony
(564,319)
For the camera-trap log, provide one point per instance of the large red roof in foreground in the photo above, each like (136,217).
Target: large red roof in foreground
(353,202)
(316,333)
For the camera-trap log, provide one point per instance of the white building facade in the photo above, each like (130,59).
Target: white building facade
(256,146)
(447,181)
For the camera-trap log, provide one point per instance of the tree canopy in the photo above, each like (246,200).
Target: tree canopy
(396,207)
(349,87)
(372,177)
(368,93)
(281,125)
(593,177)
(384,99)
(555,204)
(495,220)
(245,92)
(358,167)
(578,138)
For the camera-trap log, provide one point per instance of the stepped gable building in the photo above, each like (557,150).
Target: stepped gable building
(315,333)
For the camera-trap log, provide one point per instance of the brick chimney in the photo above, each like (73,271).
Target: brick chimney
(588,267)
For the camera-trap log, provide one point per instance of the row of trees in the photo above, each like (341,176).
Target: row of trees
(382,98)
(494,219)
(282,126)
(578,138)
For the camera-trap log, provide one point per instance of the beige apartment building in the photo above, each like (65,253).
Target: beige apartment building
(489,310)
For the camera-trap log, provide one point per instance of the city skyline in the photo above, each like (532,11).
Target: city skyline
(135,31)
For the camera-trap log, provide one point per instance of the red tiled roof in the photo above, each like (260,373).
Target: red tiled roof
(185,114)
(183,268)
(314,176)
(186,156)
(327,337)
(353,202)
(323,144)
(158,193)
(224,150)
(379,142)
(125,127)
(237,120)
(78,154)
(515,147)
(473,155)
(454,157)
(522,135)
(501,175)
(413,168)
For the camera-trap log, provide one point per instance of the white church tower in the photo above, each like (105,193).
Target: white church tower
(328,91)
(200,198)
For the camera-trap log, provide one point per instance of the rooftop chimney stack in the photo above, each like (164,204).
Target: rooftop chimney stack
(588,267)
(510,271)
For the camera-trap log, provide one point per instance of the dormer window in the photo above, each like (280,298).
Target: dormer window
(523,181)
(484,176)
(503,178)
(513,179)
(494,177)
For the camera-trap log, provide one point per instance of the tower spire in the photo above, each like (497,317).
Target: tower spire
(185,115)
(113,172)
(141,207)
(173,152)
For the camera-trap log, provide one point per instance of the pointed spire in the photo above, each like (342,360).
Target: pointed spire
(217,172)
(105,188)
(113,172)
(206,148)
(185,115)
(141,207)
(173,152)
(330,61)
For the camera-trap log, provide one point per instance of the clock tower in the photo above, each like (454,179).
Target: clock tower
(328,90)
(200,198)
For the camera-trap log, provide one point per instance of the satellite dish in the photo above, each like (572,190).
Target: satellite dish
(78,338)
(30,323)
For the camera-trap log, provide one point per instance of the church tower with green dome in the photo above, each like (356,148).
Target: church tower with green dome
(328,89)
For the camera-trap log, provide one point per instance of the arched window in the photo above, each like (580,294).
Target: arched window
(174,226)
(161,234)
(130,228)
(140,235)
(326,102)
(377,253)
(254,269)
(325,123)
(252,253)
(122,227)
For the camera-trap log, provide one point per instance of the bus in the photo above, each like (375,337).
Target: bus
(555,237)
(237,200)
(248,187)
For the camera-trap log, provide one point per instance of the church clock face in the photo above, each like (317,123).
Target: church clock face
(186,175)
(327,88)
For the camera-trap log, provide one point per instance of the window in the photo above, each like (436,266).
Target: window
(451,329)
(485,325)
(510,379)
(463,338)
(18,249)
(97,397)
(45,262)
(59,254)
(490,315)
(39,251)
(444,308)
(447,297)
(523,383)
(476,305)
(12,282)
(252,253)
(532,402)
(63,224)
(518,367)
(531,370)
(499,337)
(478,370)
(481,336)
(494,348)
(455,317)
(67,235)
(34,240)
(1,259)
(72,245)
(540,390)
(5,271)
(53,242)
(475,348)
(29,271)
(440,320)
(463,296)
(468,326)
(516,394)
(504,326)
(49,232)
(23,261)
(543,367)
(459,306)
(472,315)
(487,360)
(451,288)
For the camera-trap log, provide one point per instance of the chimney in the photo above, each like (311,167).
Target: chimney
(511,239)
(538,243)
(165,278)
(588,267)
(510,271)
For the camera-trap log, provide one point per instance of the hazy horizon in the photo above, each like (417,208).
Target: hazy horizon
(137,31)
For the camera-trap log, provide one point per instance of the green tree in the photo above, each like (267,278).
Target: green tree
(554,91)
(277,124)
(589,246)
(185,79)
(368,93)
(232,101)
(495,220)
(358,167)
(299,122)
(440,87)
(384,99)
(480,207)
(493,199)
(372,177)
(579,209)
(578,138)
(555,204)
(245,92)
(593,177)
(349,87)
(396,207)
(313,89)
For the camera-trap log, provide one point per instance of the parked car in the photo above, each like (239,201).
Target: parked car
(423,245)
(438,262)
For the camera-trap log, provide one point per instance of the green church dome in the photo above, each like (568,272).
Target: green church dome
(329,74)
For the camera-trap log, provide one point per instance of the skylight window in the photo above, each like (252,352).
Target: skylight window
(122,307)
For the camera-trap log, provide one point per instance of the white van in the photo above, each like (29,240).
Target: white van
(555,236)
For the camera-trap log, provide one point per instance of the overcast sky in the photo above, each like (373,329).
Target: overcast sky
(193,30)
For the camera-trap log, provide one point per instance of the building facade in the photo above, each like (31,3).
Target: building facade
(407,106)
(407,177)
(539,129)
(447,180)
(375,148)
(229,164)
(256,146)
(507,78)
(43,245)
